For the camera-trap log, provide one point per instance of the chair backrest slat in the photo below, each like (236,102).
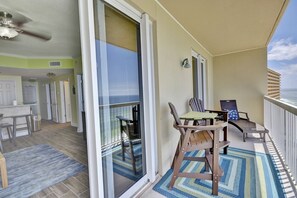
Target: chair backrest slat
(196,104)
(176,119)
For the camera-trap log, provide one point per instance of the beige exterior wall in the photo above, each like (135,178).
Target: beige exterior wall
(242,76)
(173,83)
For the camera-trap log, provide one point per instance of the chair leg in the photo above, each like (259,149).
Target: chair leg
(132,158)
(9,133)
(3,171)
(1,147)
(176,154)
(215,167)
(123,150)
(176,169)
(206,163)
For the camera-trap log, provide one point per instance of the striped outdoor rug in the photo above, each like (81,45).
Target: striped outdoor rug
(246,174)
(35,168)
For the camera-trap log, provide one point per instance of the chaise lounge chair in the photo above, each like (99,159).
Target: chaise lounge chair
(241,123)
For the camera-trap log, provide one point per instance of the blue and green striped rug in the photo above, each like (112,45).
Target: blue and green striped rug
(246,174)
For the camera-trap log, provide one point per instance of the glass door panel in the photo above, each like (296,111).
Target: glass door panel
(120,99)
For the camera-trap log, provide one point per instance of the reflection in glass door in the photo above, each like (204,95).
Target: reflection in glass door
(120,99)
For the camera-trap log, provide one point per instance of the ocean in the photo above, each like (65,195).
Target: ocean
(289,96)
(121,99)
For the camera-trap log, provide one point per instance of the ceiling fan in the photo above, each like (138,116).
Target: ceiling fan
(11,26)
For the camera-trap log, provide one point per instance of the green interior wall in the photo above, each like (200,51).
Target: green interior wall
(30,63)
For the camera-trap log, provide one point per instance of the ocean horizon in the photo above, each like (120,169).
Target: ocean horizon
(289,96)
(119,99)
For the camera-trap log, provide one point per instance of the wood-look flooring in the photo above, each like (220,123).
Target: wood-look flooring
(64,138)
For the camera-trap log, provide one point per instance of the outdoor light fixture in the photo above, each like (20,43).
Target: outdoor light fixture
(7,33)
(185,63)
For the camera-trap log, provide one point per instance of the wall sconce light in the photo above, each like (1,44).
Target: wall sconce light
(185,63)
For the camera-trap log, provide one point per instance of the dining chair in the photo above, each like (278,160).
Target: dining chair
(131,137)
(193,138)
(196,104)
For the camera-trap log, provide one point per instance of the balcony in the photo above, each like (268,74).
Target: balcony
(280,119)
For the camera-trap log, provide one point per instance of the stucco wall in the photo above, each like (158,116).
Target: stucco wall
(242,76)
(173,83)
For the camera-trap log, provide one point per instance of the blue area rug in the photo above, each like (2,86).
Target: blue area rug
(246,174)
(35,168)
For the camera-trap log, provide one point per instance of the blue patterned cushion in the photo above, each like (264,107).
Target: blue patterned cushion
(233,115)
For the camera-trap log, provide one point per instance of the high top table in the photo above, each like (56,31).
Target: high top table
(196,116)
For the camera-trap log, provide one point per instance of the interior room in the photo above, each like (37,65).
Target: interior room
(41,96)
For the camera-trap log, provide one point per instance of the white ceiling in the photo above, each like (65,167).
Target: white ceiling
(228,26)
(58,17)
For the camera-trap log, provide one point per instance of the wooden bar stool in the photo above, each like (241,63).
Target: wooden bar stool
(3,171)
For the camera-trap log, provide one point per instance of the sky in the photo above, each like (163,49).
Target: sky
(282,49)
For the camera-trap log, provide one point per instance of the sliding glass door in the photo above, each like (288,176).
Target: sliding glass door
(121,104)
(199,76)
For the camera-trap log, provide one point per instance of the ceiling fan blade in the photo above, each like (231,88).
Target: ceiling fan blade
(41,35)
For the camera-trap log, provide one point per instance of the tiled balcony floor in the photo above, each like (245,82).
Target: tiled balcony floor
(235,137)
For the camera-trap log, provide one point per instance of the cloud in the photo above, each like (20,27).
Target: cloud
(282,50)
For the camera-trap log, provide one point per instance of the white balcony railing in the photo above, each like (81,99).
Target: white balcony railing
(281,121)
(112,134)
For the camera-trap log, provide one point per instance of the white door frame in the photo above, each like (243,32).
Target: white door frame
(65,115)
(62,100)
(88,51)
(79,95)
(68,110)
(86,13)
(48,101)
(54,104)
